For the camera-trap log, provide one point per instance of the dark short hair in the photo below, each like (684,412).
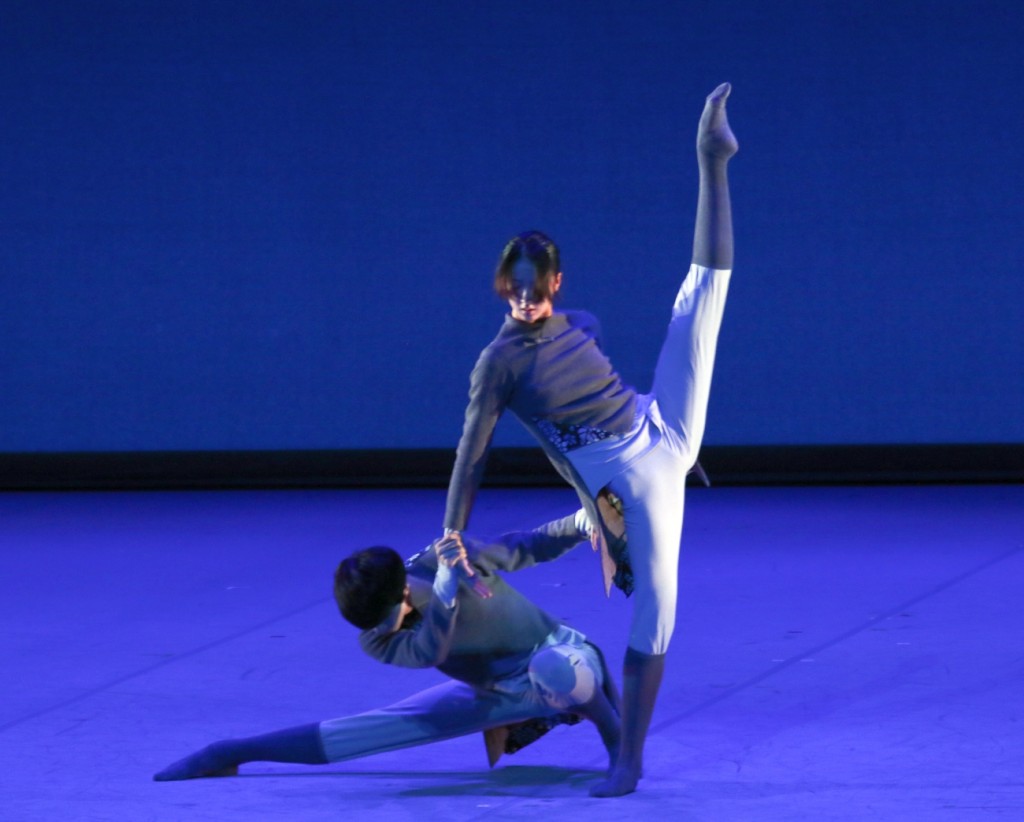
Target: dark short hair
(539,249)
(368,584)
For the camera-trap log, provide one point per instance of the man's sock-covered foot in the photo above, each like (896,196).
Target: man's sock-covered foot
(301,744)
(213,760)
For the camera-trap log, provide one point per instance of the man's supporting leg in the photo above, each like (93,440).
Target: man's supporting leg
(571,678)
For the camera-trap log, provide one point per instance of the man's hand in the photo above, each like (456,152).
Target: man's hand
(451,552)
(714,137)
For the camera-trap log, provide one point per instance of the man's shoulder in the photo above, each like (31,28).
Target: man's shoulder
(371,640)
(423,559)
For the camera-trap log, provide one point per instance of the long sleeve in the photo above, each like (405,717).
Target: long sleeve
(424,646)
(489,389)
(523,549)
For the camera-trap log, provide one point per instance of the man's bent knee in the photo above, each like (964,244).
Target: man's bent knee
(564,677)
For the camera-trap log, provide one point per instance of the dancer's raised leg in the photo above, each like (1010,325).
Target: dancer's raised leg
(652,490)
(682,377)
(712,233)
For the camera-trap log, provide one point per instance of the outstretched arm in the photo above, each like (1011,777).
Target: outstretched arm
(489,387)
(712,236)
(523,549)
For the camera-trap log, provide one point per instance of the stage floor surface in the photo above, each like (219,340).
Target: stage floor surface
(841,653)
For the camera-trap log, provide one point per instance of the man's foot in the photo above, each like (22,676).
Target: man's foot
(620,781)
(212,760)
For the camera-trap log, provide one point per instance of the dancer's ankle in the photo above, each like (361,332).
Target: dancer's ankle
(621,780)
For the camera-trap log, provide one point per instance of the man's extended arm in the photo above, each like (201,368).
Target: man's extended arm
(522,549)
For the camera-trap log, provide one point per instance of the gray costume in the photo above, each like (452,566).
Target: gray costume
(603,437)
(490,648)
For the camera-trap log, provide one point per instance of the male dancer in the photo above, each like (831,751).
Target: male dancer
(515,670)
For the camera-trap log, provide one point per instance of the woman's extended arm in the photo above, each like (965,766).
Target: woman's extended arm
(488,396)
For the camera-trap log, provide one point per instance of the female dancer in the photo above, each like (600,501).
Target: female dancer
(621,451)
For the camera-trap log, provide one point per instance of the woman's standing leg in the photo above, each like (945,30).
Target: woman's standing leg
(652,493)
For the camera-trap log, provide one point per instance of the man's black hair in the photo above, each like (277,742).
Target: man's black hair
(368,584)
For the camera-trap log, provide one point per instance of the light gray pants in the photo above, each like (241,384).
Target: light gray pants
(652,489)
(562,672)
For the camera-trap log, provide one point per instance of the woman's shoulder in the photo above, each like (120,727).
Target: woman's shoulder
(584,320)
(577,315)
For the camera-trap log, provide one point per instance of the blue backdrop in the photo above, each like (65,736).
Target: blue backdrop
(273,225)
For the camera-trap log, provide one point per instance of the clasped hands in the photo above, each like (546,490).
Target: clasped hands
(451,552)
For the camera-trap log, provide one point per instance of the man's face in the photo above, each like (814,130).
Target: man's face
(400,611)
(528,304)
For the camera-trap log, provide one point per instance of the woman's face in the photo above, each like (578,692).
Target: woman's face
(527,303)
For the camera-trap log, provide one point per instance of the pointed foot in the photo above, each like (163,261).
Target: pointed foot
(714,137)
(207,762)
(720,94)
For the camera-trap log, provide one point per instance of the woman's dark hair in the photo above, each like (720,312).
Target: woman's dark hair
(539,249)
(368,584)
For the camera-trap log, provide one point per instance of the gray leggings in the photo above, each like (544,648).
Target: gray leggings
(563,671)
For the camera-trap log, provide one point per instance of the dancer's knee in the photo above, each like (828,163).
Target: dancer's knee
(564,677)
(652,630)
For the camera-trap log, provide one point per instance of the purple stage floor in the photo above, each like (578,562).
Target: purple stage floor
(840,654)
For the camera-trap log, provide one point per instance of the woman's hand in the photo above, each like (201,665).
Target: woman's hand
(451,552)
